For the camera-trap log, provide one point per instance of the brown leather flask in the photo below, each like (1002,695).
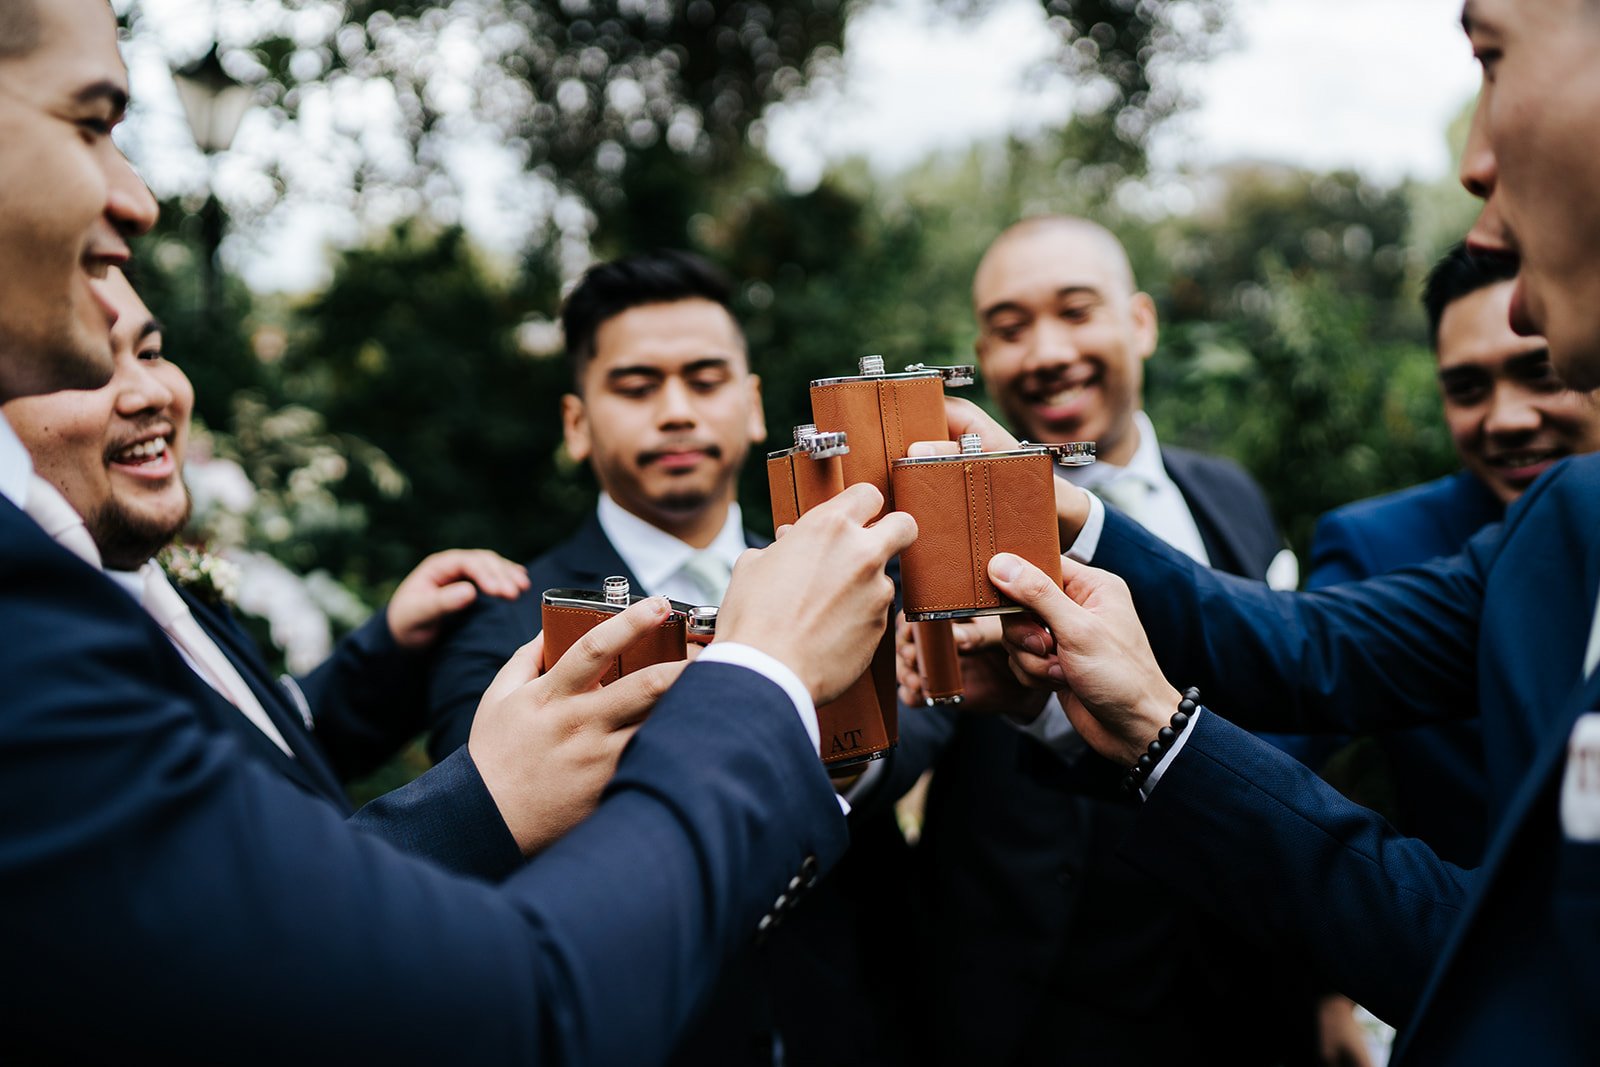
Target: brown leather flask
(968,508)
(568,614)
(938,662)
(800,478)
(862,724)
(883,414)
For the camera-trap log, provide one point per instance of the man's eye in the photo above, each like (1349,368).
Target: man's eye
(1009,332)
(708,383)
(1078,313)
(633,389)
(1464,394)
(1488,59)
(98,127)
(152,354)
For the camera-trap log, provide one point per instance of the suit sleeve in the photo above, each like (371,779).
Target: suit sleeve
(1336,553)
(368,699)
(1251,836)
(188,893)
(467,660)
(1391,651)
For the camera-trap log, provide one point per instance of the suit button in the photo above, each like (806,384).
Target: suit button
(780,905)
(809,870)
(796,883)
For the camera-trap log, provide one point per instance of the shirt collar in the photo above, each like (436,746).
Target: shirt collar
(652,554)
(1145,464)
(16,467)
(131,581)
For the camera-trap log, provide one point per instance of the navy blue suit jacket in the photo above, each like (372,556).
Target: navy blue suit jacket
(811,970)
(1043,945)
(1435,773)
(1481,967)
(367,700)
(153,869)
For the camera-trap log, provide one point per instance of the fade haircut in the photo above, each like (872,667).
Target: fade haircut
(1460,273)
(606,290)
(19,28)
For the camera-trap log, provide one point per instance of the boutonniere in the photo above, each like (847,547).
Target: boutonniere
(211,578)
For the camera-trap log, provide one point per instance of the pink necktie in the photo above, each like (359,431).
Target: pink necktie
(172,615)
(47,507)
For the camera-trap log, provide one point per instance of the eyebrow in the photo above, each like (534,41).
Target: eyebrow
(708,363)
(104,90)
(1060,294)
(153,326)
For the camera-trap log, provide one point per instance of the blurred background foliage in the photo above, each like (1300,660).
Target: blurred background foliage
(1292,339)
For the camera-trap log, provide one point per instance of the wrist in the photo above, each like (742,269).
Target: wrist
(1162,718)
(1072,510)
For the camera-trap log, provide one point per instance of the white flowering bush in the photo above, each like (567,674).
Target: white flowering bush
(259,493)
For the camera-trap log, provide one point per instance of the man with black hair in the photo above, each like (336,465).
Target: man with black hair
(664,409)
(204,906)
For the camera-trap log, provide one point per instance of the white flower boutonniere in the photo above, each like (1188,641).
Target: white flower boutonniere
(211,578)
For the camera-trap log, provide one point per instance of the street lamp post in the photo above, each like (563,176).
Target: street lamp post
(215,104)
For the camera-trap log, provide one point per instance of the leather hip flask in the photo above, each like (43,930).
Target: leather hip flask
(568,614)
(968,508)
(863,723)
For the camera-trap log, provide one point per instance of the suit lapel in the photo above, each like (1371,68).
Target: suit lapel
(590,558)
(310,769)
(1228,553)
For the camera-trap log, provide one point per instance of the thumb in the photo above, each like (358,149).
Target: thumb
(1033,589)
(523,667)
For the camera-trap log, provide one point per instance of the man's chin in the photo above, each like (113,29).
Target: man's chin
(128,539)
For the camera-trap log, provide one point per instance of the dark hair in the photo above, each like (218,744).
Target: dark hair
(606,290)
(19,28)
(1460,273)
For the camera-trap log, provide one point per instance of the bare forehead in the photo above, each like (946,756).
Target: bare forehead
(76,47)
(669,334)
(1049,255)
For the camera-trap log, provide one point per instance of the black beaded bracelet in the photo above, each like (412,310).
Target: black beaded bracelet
(1163,743)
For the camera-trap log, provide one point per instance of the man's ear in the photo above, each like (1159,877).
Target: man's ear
(1146,330)
(575,427)
(758,417)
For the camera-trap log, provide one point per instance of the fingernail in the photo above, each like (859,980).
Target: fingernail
(920,448)
(1035,643)
(659,606)
(1005,567)
(1055,672)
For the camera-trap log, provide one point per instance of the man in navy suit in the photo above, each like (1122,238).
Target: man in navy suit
(154,869)
(665,410)
(116,454)
(1511,419)
(1035,926)
(1485,966)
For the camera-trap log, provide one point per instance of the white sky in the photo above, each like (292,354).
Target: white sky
(1366,84)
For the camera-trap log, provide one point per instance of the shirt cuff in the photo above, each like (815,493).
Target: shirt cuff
(1088,540)
(1052,729)
(1159,769)
(754,659)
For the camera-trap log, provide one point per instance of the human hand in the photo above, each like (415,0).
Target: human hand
(546,745)
(442,585)
(1086,639)
(817,599)
(1341,1042)
(988,686)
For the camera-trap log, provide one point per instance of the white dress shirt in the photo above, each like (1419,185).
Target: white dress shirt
(16,466)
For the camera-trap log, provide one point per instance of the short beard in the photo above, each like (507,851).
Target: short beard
(683,503)
(127,541)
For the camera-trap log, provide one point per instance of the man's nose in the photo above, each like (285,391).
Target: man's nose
(1479,170)
(1052,343)
(676,407)
(130,205)
(1512,412)
(140,390)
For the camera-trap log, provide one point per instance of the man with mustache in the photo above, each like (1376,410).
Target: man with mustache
(1036,926)
(201,906)
(116,454)
(1488,965)
(665,409)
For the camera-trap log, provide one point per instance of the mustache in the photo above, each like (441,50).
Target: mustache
(711,449)
(143,429)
